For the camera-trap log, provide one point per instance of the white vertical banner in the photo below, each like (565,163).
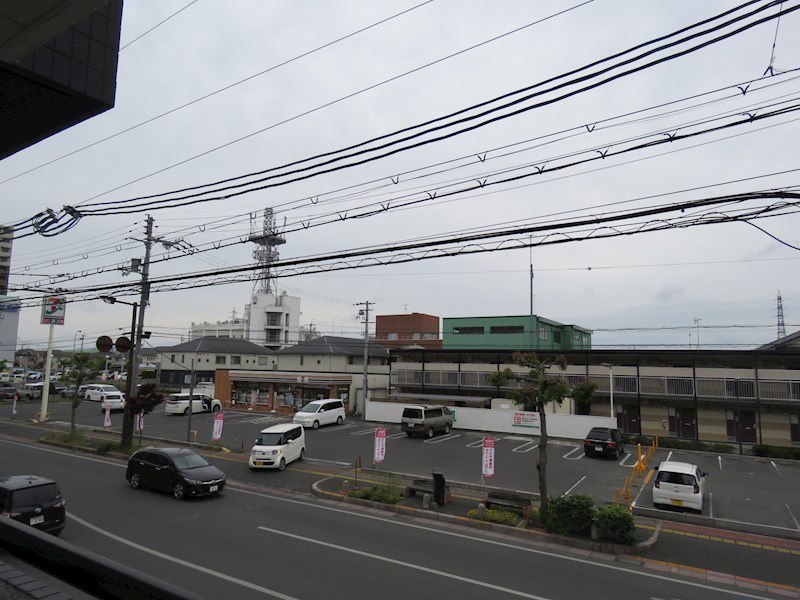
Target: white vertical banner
(138,422)
(488,457)
(107,419)
(14,404)
(217,433)
(380,444)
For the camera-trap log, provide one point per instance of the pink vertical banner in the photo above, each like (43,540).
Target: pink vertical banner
(488,457)
(380,444)
(217,433)
(107,419)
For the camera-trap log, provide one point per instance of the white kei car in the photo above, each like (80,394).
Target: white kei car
(178,404)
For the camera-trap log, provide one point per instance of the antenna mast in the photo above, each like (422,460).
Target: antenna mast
(267,240)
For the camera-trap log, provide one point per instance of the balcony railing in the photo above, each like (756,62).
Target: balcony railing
(707,388)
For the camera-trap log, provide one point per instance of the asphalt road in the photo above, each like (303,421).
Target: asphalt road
(253,542)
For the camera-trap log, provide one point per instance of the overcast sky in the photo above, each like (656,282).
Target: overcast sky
(307,94)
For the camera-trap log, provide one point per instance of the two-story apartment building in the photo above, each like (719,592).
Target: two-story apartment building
(527,332)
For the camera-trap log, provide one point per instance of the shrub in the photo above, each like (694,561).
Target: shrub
(534,519)
(494,515)
(569,515)
(615,524)
(384,495)
(73,437)
(776,452)
(106,447)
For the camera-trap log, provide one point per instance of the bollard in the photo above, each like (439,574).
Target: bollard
(619,496)
(426,501)
(633,476)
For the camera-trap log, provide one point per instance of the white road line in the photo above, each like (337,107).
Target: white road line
(336,428)
(445,438)
(774,466)
(626,457)
(406,565)
(710,505)
(577,483)
(365,432)
(719,458)
(328,462)
(516,439)
(525,447)
(791,514)
(575,449)
(396,436)
(478,444)
(184,563)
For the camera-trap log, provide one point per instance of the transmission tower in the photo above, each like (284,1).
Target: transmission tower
(781,324)
(267,239)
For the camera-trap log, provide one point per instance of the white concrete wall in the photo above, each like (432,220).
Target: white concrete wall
(497,420)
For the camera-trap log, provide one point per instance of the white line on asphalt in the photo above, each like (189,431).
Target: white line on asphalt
(396,436)
(328,462)
(335,428)
(719,458)
(577,483)
(525,448)
(774,466)
(184,563)
(516,439)
(404,564)
(477,444)
(445,438)
(626,457)
(575,449)
(791,514)
(365,431)
(710,505)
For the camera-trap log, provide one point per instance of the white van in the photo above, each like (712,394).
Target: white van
(277,446)
(321,412)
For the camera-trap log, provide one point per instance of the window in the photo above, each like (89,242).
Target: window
(236,360)
(172,358)
(467,330)
(544,334)
(221,360)
(507,329)
(557,337)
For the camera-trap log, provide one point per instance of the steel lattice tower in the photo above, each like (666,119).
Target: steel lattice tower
(781,324)
(267,240)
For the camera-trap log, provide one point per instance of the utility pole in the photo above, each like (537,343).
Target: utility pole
(133,371)
(697,329)
(365,311)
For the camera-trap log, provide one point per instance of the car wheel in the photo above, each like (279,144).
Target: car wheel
(447,429)
(186,410)
(302,454)
(409,434)
(430,432)
(315,425)
(216,408)
(282,464)
(339,420)
(179,490)
(135,481)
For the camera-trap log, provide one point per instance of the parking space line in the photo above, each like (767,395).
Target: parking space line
(365,432)
(477,444)
(774,466)
(577,483)
(791,514)
(396,436)
(575,449)
(445,438)
(524,448)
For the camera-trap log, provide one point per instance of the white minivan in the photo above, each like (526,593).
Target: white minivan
(679,484)
(320,412)
(277,446)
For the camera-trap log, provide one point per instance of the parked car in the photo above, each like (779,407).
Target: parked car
(426,420)
(277,446)
(178,470)
(320,412)
(101,392)
(679,484)
(603,441)
(33,500)
(7,392)
(178,404)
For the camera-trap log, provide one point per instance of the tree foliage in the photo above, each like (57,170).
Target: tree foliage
(535,389)
(582,394)
(81,367)
(146,399)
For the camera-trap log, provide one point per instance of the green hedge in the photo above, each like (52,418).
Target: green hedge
(569,515)
(385,495)
(777,452)
(494,515)
(615,524)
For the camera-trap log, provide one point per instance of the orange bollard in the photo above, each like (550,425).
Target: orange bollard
(619,496)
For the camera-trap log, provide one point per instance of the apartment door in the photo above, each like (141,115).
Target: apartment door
(628,420)
(746,425)
(682,422)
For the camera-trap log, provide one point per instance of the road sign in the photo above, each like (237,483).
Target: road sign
(380,444)
(123,344)
(104,343)
(488,457)
(54,308)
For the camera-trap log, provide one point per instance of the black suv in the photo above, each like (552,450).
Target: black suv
(33,500)
(178,470)
(603,441)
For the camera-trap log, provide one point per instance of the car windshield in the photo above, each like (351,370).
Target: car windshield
(310,408)
(189,461)
(107,388)
(270,439)
(599,434)
(32,496)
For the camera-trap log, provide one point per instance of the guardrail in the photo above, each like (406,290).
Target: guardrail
(84,570)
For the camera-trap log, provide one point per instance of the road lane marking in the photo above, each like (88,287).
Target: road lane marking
(581,454)
(183,563)
(404,564)
(524,447)
(774,466)
(365,431)
(791,514)
(445,438)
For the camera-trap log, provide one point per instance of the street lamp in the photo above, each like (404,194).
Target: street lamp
(611,392)
(75,341)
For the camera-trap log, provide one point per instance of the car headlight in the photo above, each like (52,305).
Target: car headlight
(193,481)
